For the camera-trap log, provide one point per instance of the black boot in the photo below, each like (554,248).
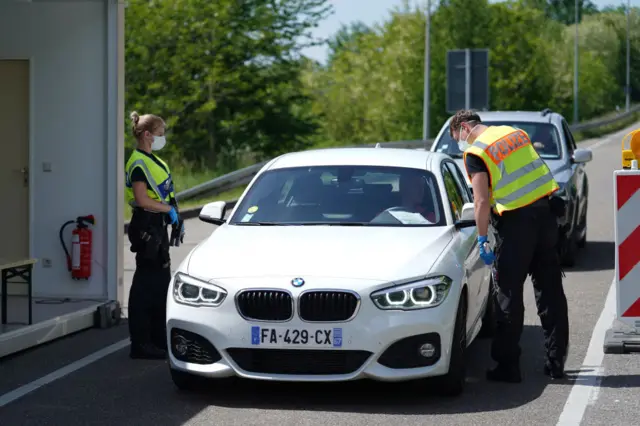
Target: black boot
(554,369)
(146,351)
(505,373)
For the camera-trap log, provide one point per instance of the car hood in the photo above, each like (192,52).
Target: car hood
(560,170)
(374,253)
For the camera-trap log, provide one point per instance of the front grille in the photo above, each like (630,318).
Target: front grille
(191,347)
(265,305)
(323,306)
(290,361)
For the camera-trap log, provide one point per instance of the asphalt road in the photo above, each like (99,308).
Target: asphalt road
(115,390)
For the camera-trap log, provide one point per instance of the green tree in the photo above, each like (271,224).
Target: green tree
(346,38)
(224,74)
(564,10)
(373,91)
(617,21)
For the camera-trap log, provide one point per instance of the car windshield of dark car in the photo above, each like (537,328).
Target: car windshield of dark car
(544,136)
(342,196)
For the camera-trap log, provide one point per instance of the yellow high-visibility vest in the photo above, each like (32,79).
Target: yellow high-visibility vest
(517,175)
(159,179)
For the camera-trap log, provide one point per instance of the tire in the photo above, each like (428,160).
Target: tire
(185,381)
(582,242)
(488,328)
(569,249)
(453,383)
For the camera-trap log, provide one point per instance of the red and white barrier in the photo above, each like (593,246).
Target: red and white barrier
(627,233)
(626,190)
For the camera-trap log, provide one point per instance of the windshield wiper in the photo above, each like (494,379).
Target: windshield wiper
(455,155)
(300,224)
(258,223)
(334,223)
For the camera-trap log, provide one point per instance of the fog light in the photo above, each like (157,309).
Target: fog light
(427,350)
(181,345)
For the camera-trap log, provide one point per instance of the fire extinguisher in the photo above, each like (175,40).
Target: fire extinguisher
(79,261)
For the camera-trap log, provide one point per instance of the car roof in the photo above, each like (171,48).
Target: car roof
(389,157)
(545,116)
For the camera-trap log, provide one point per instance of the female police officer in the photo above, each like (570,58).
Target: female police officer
(149,191)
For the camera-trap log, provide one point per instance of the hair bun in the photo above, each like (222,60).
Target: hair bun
(135,117)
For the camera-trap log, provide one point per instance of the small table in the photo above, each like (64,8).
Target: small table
(16,268)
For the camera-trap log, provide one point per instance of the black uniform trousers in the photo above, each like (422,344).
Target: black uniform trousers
(148,294)
(526,243)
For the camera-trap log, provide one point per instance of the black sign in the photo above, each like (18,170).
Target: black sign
(467,79)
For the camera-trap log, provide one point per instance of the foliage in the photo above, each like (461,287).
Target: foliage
(564,11)
(373,91)
(346,37)
(229,78)
(223,74)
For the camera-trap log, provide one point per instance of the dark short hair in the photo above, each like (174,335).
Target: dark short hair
(463,116)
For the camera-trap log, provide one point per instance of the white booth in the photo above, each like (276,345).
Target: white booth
(61,157)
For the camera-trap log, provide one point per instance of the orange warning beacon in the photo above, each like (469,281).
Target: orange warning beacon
(633,153)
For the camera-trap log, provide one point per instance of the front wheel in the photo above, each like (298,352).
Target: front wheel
(454,381)
(488,319)
(568,248)
(582,242)
(185,381)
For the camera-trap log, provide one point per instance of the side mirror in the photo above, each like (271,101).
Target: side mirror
(214,213)
(467,216)
(582,155)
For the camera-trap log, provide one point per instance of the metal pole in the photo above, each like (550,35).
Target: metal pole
(427,76)
(467,78)
(628,87)
(575,68)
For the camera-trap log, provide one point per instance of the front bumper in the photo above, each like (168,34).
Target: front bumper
(375,344)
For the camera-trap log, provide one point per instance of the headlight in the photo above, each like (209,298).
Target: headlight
(194,292)
(422,294)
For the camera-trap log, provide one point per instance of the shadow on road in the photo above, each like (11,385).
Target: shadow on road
(596,256)
(396,398)
(614,382)
(117,390)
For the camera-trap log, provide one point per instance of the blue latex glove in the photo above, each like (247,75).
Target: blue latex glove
(173,214)
(485,252)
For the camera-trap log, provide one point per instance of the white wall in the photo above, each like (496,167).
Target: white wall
(73,122)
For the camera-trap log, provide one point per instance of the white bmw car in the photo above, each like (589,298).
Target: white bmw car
(336,264)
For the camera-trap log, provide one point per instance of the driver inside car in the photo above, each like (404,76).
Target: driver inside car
(414,194)
(543,142)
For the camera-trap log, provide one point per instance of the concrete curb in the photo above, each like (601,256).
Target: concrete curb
(191,213)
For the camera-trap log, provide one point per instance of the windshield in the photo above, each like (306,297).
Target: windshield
(342,196)
(544,136)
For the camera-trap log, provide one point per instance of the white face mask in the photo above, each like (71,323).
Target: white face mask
(158,143)
(463,144)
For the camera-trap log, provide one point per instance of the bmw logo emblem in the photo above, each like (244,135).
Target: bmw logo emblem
(297,282)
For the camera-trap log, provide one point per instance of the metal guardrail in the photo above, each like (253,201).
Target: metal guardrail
(242,177)
(593,124)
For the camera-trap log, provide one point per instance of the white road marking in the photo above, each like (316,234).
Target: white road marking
(612,137)
(585,390)
(68,369)
(602,142)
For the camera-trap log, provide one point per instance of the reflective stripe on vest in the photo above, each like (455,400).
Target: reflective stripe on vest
(518,176)
(159,180)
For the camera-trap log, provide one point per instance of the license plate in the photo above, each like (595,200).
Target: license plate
(278,337)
